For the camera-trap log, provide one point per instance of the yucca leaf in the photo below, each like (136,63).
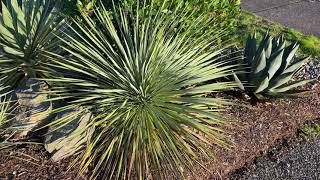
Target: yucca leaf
(239,82)
(27,31)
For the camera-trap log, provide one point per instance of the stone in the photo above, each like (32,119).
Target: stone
(33,109)
(60,141)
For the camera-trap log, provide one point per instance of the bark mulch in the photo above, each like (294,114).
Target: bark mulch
(259,128)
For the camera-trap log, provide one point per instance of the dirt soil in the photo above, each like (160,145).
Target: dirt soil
(33,162)
(259,128)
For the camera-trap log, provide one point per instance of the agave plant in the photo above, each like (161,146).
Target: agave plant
(146,85)
(27,30)
(270,67)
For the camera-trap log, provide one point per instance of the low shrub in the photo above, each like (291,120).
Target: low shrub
(224,12)
(145,84)
(221,14)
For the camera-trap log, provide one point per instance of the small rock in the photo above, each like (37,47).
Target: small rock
(60,142)
(33,110)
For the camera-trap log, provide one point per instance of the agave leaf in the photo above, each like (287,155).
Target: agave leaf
(290,51)
(268,48)
(262,86)
(280,80)
(291,93)
(288,55)
(251,46)
(263,43)
(259,63)
(291,85)
(296,66)
(274,63)
(281,46)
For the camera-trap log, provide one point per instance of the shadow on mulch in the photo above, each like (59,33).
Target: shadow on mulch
(259,128)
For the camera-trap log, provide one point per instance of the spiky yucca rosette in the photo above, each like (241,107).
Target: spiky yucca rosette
(27,30)
(145,84)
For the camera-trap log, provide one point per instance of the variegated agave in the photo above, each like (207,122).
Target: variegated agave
(145,84)
(27,29)
(270,67)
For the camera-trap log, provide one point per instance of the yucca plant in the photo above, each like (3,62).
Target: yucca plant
(270,67)
(4,108)
(146,85)
(26,31)
(5,130)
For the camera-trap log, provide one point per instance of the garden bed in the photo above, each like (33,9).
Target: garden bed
(144,110)
(260,127)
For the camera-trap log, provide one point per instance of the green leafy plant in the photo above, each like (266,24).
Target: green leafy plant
(85,5)
(250,23)
(218,13)
(270,67)
(74,7)
(312,130)
(146,86)
(26,32)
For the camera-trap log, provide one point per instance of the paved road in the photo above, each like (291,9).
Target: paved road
(303,15)
(303,163)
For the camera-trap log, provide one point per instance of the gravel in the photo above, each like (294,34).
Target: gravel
(301,163)
(311,70)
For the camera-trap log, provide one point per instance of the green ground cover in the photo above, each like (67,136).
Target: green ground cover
(250,23)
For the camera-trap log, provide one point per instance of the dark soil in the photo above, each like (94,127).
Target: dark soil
(259,128)
(33,162)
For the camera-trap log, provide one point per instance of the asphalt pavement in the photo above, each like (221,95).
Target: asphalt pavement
(303,15)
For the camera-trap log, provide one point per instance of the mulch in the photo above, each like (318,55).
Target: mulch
(258,128)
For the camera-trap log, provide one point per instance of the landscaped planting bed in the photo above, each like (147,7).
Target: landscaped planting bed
(259,128)
(143,91)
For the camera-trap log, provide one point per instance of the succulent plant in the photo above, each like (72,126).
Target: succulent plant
(5,131)
(28,29)
(145,84)
(269,68)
